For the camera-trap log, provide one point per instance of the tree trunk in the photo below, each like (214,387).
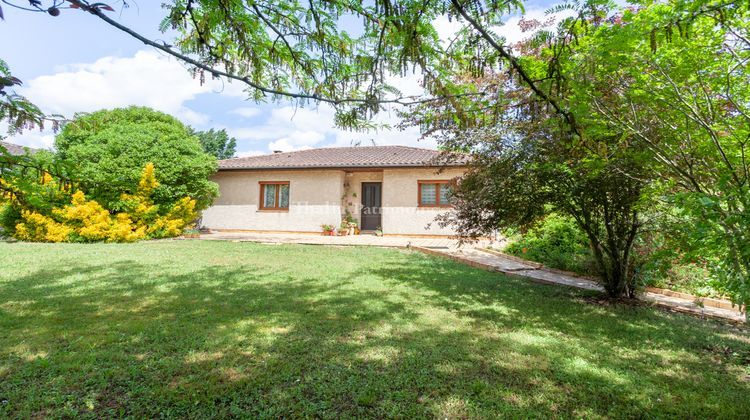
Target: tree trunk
(613,261)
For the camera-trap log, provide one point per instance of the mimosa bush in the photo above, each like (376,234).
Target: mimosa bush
(86,220)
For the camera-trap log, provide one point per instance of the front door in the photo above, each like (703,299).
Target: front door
(371,195)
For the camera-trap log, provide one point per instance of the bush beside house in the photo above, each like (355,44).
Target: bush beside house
(108,149)
(116,176)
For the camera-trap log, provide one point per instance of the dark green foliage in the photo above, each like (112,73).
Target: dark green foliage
(217,143)
(9,217)
(555,241)
(109,149)
(22,181)
(15,110)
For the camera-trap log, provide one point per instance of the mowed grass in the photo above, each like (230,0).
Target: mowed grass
(215,329)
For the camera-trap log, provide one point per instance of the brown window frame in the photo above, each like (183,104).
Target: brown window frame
(261,200)
(439,183)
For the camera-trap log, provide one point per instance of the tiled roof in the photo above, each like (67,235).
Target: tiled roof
(349,157)
(15,149)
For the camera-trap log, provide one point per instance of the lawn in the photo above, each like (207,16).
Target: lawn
(202,329)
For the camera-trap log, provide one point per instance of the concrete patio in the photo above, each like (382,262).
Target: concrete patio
(354,240)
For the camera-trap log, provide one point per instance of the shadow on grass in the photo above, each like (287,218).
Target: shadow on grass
(405,336)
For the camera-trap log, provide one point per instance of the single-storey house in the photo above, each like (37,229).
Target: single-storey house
(16,150)
(397,189)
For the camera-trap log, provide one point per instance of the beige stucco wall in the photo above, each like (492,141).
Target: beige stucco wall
(314,199)
(400,202)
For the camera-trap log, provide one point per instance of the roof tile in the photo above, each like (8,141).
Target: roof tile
(349,157)
(15,149)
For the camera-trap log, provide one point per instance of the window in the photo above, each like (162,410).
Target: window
(274,195)
(434,193)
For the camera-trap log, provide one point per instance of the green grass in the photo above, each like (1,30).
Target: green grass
(201,329)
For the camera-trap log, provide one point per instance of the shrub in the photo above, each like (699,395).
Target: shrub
(556,242)
(108,150)
(86,220)
(36,227)
(662,262)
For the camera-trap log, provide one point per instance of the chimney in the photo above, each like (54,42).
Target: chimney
(276,151)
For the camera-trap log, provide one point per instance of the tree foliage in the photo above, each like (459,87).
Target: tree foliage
(108,149)
(217,143)
(673,78)
(17,111)
(41,208)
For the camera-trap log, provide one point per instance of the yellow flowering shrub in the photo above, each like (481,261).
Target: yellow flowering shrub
(124,230)
(37,227)
(143,209)
(46,178)
(148,182)
(87,220)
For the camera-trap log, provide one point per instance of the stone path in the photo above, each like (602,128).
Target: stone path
(497,262)
(475,255)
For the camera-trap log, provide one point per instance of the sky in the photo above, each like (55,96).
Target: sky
(77,63)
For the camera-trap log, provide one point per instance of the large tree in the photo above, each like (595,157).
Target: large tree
(107,151)
(527,164)
(217,143)
(675,79)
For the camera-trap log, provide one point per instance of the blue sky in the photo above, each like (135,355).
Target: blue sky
(75,62)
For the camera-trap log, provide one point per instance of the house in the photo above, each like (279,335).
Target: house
(16,150)
(398,189)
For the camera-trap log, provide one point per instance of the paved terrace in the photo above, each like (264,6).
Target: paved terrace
(361,240)
(476,255)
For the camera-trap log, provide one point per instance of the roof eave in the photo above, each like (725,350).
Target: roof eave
(374,167)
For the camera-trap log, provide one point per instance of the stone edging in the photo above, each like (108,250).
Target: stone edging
(714,303)
(475,264)
(483,266)
(489,267)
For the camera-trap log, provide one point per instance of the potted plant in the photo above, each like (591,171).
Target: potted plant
(191,233)
(379,231)
(344,228)
(352,227)
(328,230)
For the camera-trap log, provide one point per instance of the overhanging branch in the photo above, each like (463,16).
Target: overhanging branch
(518,68)
(404,100)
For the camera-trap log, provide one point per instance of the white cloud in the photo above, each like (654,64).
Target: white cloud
(512,32)
(298,140)
(147,79)
(246,112)
(289,128)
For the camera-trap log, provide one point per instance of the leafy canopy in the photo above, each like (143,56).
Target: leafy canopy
(217,143)
(108,150)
